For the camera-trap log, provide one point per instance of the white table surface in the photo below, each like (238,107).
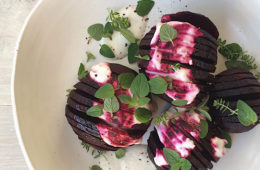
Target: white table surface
(12,17)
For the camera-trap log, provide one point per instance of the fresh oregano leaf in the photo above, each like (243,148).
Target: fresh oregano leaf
(146,57)
(106,51)
(125,98)
(171,156)
(125,80)
(235,63)
(227,137)
(120,153)
(128,35)
(205,113)
(185,164)
(111,105)
(68,92)
(167,33)
(176,166)
(105,91)
(96,31)
(108,30)
(95,111)
(246,114)
(90,56)
(143,115)
(180,103)
(143,101)
(158,85)
(231,51)
(140,86)
(203,128)
(144,7)
(95,167)
(132,52)
(82,72)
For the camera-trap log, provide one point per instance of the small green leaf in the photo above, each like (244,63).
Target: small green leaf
(128,35)
(171,156)
(68,92)
(204,102)
(144,7)
(176,166)
(82,72)
(126,79)
(146,57)
(95,111)
(158,85)
(111,105)
(120,153)
(180,103)
(167,33)
(96,31)
(205,113)
(203,128)
(105,91)
(227,137)
(231,51)
(125,98)
(143,101)
(234,63)
(90,56)
(140,86)
(95,167)
(186,165)
(143,115)
(132,52)
(108,30)
(246,114)
(106,51)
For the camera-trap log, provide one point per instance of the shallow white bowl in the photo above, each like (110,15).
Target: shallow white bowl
(52,46)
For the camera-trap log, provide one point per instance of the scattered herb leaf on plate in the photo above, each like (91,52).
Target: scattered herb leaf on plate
(126,79)
(111,105)
(128,35)
(120,153)
(95,111)
(146,57)
(90,56)
(167,33)
(140,86)
(95,167)
(180,103)
(106,51)
(158,85)
(132,52)
(246,114)
(105,91)
(143,115)
(203,128)
(226,136)
(82,72)
(144,7)
(96,31)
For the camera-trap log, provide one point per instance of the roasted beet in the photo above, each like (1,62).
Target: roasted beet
(104,132)
(183,137)
(233,85)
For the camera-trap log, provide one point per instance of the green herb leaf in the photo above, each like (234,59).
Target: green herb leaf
(180,103)
(126,79)
(96,31)
(108,30)
(95,167)
(132,52)
(95,111)
(143,115)
(68,92)
(82,72)
(227,137)
(221,43)
(171,156)
(111,105)
(186,165)
(146,57)
(205,113)
(118,22)
(143,101)
(231,51)
(246,114)
(176,66)
(140,86)
(90,56)
(234,63)
(120,153)
(105,91)
(167,33)
(125,98)
(203,128)
(106,51)
(128,35)
(144,7)
(176,166)
(158,85)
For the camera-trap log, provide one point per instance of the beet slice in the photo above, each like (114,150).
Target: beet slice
(197,20)
(119,69)
(234,77)
(81,97)
(232,72)
(235,127)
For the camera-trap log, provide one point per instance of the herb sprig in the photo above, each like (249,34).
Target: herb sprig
(82,72)
(246,115)
(94,151)
(144,7)
(120,153)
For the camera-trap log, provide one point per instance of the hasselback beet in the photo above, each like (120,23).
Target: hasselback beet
(194,50)
(104,132)
(233,85)
(183,136)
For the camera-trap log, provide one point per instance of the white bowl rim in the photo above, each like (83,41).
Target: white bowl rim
(15,117)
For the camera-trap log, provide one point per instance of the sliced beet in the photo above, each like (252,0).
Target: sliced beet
(233,71)
(81,98)
(235,77)
(119,69)
(235,127)
(87,80)
(197,20)
(85,88)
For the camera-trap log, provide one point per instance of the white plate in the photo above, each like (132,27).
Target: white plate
(50,50)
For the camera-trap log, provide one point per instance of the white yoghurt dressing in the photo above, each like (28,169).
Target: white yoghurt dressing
(119,44)
(218,145)
(100,73)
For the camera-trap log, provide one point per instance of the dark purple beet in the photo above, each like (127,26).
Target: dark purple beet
(197,20)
